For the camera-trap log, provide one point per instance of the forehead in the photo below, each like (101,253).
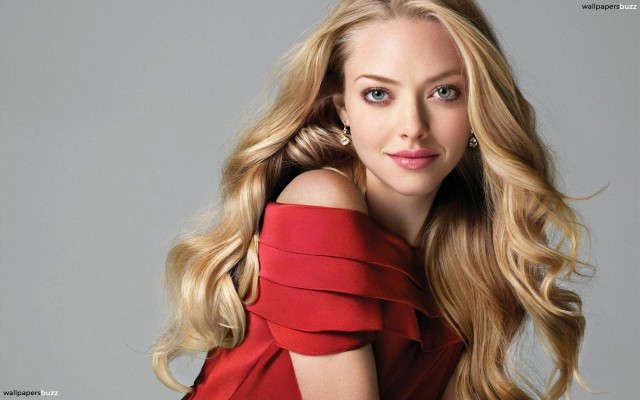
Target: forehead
(401,46)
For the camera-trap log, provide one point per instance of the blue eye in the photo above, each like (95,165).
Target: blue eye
(375,95)
(447,93)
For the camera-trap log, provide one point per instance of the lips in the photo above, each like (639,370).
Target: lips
(413,159)
(418,153)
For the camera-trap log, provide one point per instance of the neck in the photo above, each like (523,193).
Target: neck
(402,215)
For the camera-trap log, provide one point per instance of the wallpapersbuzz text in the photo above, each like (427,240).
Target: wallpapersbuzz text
(27,393)
(607,7)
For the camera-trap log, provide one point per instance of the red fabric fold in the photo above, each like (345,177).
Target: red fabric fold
(333,277)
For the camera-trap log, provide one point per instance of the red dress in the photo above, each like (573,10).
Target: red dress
(333,280)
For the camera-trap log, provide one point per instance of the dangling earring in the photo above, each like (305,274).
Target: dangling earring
(473,142)
(345,138)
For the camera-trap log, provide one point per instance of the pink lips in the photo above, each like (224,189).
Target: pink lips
(413,159)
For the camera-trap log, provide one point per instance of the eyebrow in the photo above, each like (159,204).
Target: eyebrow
(390,81)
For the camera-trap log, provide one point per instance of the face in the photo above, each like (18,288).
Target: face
(404,101)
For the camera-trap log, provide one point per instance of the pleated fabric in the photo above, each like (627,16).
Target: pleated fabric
(333,280)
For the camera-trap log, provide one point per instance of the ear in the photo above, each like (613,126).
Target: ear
(338,103)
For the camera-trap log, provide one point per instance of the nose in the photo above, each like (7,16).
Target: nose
(414,120)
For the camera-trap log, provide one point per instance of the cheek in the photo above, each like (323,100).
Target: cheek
(366,138)
(453,132)
(368,129)
(458,136)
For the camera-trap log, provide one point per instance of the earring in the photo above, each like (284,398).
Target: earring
(473,142)
(345,138)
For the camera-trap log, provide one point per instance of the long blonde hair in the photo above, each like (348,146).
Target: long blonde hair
(498,240)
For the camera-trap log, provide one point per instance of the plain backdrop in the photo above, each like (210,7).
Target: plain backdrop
(116,116)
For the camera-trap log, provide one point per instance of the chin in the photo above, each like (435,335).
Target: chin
(414,191)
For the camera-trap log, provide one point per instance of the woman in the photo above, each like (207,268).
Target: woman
(387,225)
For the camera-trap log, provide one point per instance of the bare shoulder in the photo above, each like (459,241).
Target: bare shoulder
(324,188)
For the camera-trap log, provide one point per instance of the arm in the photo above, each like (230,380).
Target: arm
(347,375)
(350,374)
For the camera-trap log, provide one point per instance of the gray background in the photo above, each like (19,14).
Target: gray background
(115,117)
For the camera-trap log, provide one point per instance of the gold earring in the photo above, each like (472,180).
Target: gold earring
(345,138)
(473,142)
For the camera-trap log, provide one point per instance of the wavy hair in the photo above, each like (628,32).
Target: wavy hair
(499,241)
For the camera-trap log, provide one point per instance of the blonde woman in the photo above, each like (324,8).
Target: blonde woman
(386,225)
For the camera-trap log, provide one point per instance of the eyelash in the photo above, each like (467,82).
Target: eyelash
(366,93)
(455,89)
(374,89)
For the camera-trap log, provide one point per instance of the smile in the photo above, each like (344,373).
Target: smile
(413,159)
